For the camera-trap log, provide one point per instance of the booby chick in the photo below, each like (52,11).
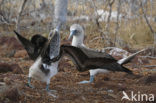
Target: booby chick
(46,55)
(77,35)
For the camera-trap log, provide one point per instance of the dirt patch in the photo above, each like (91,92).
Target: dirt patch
(148,79)
(107,88)
(4,68)
(10,43)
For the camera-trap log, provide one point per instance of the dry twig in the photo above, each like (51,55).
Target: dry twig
(19,15)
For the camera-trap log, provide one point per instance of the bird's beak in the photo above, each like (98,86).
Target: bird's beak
(71,34)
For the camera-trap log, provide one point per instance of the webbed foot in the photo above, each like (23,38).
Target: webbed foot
(29,83)
(51,92)
(84,82)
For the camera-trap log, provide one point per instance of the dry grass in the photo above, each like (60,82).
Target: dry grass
(134,32)
(138,35)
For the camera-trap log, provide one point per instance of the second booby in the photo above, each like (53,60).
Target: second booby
(46,55)
(77,35)
(86,59)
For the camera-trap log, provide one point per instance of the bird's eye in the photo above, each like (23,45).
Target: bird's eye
(76,31)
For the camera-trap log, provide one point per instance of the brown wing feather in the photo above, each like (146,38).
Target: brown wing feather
(85,62)
(95,54)
(27,45)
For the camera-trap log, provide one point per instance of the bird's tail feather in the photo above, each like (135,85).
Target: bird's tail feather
(129,58)
(127,70)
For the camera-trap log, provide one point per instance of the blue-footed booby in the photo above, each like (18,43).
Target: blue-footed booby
(77,35)
(45,52)
(86,59)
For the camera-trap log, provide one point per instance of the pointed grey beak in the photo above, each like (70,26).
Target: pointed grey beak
(71,34)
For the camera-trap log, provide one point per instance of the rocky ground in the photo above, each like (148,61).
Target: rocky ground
(107,88)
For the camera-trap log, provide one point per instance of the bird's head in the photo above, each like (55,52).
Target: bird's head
(76,31)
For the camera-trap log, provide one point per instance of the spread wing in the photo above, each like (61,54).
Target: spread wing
(30,48)
(85,61)
(95,54)
(54,45)
(51,51)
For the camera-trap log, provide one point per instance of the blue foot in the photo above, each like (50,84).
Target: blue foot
(84,82)
(29,83)
(90,81)
(51,92)
(31,86)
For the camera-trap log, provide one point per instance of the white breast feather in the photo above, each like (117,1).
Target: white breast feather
(35,71)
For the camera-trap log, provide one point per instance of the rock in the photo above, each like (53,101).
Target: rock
(110,91)
(11,53)
(21,54)
(4,68)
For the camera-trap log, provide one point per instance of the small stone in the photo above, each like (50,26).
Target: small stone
(110,91)
(11,53)
(20,54)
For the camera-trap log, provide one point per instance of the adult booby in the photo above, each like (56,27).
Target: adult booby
(86,59)
(46,55)
(77,33)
